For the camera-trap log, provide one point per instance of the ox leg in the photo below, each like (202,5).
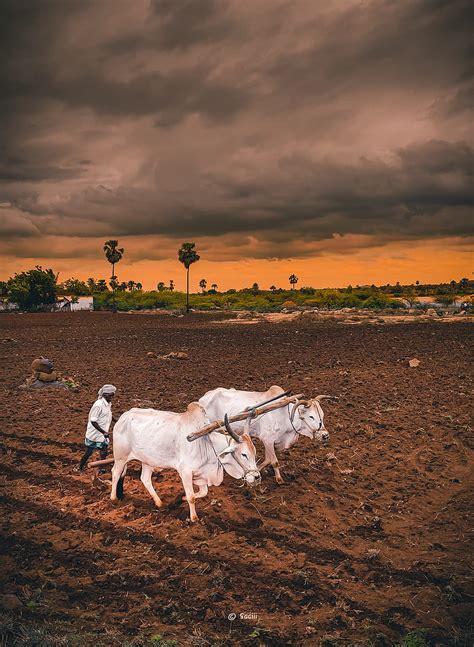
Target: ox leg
(118,472)
(187,479)
(145,478)
(203,490)
(271,457)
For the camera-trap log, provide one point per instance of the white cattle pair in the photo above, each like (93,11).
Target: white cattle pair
(158,439)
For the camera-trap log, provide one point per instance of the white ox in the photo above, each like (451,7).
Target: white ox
(158,440)
(278,429)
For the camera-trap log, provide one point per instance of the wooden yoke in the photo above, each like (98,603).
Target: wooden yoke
(258,411)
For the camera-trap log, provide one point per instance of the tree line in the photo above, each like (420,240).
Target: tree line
(39,287)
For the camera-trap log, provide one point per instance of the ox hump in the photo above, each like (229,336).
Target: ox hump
(275,390)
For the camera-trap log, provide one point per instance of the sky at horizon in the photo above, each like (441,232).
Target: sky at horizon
(331,140)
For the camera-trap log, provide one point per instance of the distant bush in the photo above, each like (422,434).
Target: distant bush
(263,301)
(379,301)
(32,290)
(445,299)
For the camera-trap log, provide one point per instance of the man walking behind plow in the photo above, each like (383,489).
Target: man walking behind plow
(98,424)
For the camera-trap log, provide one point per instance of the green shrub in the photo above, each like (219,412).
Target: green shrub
(158,641)
(263,301)
(379,301)
(414,639)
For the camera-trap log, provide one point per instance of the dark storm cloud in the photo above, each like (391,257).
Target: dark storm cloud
(420,42)
(281,121)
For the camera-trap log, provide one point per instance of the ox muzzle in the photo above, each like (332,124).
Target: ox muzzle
(321,436)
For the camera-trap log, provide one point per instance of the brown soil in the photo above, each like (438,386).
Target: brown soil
(367,539)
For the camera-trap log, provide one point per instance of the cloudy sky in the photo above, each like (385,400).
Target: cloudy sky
(331,139)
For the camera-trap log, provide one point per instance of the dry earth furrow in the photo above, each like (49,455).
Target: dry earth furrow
(38,440)
(67,521)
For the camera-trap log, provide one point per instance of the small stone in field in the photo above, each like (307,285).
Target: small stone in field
(414,362)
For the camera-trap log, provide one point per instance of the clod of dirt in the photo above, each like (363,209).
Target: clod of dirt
(413,363)
(372,553)
(346,471)
(173,355)
(10,602)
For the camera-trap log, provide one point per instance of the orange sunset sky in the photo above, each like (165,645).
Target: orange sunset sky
(332,140)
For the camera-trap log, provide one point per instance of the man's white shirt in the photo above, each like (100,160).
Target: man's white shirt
(101,412)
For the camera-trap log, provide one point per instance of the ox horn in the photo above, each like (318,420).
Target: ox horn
(248,420)
(318,398)
(230,431)
(297,404)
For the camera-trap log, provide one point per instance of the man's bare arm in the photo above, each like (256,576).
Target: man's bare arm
(99,428)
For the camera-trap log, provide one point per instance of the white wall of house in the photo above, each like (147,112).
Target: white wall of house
(83,303)
(7,305)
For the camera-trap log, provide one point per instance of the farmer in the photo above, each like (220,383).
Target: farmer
(98,424)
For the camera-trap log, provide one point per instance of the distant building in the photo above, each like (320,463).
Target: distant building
(73,304)
(6,306)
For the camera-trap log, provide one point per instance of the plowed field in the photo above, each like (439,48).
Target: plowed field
(367,539)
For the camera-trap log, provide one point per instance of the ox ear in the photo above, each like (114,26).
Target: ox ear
(227,450)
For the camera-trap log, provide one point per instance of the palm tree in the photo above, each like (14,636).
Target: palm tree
(273,288)
(92,285)
(187,255)
(130,285)
(160,287)
(203,284)
(113,254)
(214,286)
(102,285)
(114,284)
(171,286)
(255,288)
(293,279)
(138,286)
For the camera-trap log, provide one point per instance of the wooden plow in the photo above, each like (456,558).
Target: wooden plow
(253,412)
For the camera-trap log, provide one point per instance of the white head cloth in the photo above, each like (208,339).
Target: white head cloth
(107,389)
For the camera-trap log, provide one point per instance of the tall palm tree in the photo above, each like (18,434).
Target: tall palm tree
(92,285)
(113,253)
(187,255)
(203,284)
(293,279)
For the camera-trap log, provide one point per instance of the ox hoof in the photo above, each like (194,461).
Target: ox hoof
(159,503)
(279,480)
